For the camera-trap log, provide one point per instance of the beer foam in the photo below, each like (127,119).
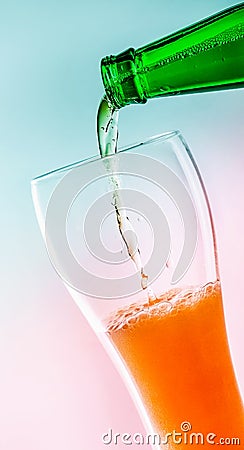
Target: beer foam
(169,303)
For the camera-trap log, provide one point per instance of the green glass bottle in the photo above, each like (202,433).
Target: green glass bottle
(206,56)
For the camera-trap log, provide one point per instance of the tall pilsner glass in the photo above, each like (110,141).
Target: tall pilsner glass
(171,349)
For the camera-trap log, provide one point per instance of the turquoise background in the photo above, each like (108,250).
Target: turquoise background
(50,87)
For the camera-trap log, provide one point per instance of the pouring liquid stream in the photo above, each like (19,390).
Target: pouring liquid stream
(107,131)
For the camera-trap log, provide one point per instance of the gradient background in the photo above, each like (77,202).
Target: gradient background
(58,389)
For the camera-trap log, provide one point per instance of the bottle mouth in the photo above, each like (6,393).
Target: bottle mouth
(121,80)
(108,71)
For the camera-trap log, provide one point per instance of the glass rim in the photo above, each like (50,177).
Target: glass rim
(157,138)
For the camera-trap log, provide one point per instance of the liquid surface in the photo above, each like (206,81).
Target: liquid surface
(107,131)
(177,353)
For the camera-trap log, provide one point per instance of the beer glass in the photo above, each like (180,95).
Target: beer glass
(168,341)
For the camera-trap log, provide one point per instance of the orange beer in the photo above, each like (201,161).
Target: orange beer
(177,352)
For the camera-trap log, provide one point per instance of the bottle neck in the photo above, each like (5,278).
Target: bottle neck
(121,81)
(205,56)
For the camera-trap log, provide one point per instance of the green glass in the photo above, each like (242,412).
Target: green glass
(206,56)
